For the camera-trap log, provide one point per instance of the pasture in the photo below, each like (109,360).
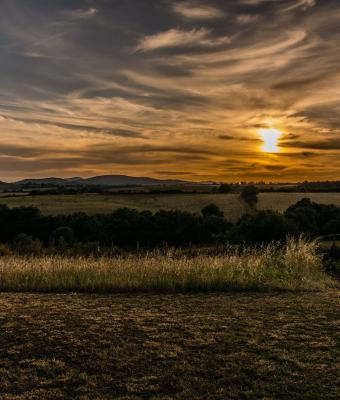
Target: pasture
(184,346)
(231,204)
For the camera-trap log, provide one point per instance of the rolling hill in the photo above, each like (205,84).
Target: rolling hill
(103,180)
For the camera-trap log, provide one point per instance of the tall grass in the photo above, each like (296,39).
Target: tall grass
(293,266)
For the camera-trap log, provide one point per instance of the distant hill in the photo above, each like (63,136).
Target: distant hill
(103,180)
(42,181)
(2,184)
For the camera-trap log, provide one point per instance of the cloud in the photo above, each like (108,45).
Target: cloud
(198,11)
(328,144)
(247,18)
(304,4)
(75,100)
(226,137)
(81,13)
(295,4)
(180,38)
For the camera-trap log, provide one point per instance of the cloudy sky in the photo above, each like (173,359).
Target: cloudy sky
(183,89)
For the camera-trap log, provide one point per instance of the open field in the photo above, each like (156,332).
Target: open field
(96,203)
(210,346)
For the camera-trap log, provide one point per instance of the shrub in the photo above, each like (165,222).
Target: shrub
(5,250)
(26,245)
(212,210)
(63,234)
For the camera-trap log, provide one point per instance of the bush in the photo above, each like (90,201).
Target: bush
(26,245)
(5,250)
(62,239)
(212,210)
(90,249)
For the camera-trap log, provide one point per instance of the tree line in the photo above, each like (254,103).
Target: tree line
(26,227)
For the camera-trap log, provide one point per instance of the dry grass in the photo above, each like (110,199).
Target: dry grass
(293,266)
(212,346)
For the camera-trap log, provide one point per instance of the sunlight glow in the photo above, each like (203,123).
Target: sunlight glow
(270,139)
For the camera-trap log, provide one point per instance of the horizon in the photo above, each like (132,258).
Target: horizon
(249,182)
(193,90)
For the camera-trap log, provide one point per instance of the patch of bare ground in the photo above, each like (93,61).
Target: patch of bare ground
(183,346)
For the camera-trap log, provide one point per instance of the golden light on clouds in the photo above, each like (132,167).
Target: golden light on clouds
(270,139)
(197,90)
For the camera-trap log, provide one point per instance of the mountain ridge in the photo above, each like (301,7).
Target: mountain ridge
(104,180)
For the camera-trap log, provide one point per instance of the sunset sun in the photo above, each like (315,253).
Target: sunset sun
(270,139)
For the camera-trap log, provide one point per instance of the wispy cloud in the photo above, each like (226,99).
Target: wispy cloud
(81,13)
(197,11)
(180,38)
(248,18)
(195,90)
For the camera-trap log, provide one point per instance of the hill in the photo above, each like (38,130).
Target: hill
(42,181)
(103,180)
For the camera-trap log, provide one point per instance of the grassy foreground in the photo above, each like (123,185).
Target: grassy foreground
(177,346)
(293,266)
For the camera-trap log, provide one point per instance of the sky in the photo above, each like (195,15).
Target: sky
(205,90)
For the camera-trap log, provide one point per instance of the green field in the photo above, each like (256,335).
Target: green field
(207,346)
(97,203)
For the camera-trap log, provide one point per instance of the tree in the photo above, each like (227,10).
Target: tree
(249,195)
(304,218)
(212,210)
(262,227)
(224,188)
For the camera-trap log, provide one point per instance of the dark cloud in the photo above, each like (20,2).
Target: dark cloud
(94,80)
(226,137)
(330,144)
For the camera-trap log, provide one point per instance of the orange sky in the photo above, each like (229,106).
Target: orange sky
(179,89)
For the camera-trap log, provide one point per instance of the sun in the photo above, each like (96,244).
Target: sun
(270,139)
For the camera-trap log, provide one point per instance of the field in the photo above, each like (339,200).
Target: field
(192,346)
(294,266)
(96,203)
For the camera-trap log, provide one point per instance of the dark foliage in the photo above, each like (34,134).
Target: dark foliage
(249,195)
(225,188)
(128,228)
(212,210)
(262,227)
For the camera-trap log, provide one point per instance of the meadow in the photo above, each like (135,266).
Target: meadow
(294,266)
(230,204)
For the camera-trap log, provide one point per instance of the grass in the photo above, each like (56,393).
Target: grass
(96,203)
(213,346)
(293,266)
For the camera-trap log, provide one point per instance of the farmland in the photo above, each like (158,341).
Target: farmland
(97,203)
(175,323)
(189,346)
